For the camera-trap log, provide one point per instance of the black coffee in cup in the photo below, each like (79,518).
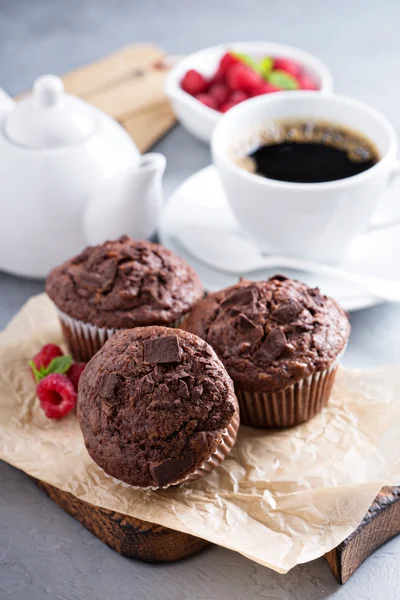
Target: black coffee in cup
(308,152)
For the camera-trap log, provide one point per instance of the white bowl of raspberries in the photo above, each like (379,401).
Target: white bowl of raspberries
(206,84)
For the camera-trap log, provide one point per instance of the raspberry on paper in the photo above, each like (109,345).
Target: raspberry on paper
(57,395)
(44,357)
(75,372)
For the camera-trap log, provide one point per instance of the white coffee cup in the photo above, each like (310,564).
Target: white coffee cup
(311,220)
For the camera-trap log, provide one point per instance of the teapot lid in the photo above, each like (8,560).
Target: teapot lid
(49,118)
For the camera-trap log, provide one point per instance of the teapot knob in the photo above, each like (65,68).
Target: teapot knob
(47,90)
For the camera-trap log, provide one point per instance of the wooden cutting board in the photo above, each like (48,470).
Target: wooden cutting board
(129,86)
(141,540)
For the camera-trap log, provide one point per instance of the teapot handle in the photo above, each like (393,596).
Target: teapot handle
(6,102)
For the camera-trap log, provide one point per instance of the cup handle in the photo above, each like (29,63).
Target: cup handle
(394,174)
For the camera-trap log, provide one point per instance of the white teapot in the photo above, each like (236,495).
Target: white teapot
(70,176)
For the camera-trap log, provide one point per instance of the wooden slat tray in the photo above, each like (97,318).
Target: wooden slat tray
(381,524)
(129,86)
(130,537)
(145,541)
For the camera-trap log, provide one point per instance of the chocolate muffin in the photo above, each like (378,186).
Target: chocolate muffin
(280,341)
(157,407)
(119,285)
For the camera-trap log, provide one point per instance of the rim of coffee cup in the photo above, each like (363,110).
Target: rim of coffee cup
(271,99)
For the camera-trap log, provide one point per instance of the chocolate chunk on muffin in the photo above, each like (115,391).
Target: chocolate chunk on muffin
(280,341)
(119,285)
(157,407)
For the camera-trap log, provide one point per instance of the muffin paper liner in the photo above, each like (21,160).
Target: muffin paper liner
(280,498)
(217,457)
(84,339)
(294,405)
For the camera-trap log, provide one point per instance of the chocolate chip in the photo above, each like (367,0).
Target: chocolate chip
(162,350)
(147,384)
(89,281)
(278,278)
(302,327)
(183,390)
(178,373)
(96,256)
(272,347)
(244,324)
(151,287)
(234,312)
(101,279)
(169,470)
(287,311)
(210,385)
(129,252)
(163,390)
(163,405)
(108,386)
(243,296)
(318,298)
(196,393)
(107,272)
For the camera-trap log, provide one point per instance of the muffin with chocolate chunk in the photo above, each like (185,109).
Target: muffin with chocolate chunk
(157,407)
(119,285)
(280,341)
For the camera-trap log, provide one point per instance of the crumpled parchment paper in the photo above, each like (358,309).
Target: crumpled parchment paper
(279,498)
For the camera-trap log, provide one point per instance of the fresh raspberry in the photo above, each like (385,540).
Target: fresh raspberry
(227,61)
(194,82)
(290,66)
(241,77)
(219,92)
(44,357)
(207,100)
(225,107)
(75,372)
(306,82)
(238,96)
(57,395)
(266,88)
(218,78)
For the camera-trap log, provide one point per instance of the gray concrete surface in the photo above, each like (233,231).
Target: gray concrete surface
(43,552)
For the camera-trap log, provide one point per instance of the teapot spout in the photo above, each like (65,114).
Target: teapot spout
(151,165)
(128,203)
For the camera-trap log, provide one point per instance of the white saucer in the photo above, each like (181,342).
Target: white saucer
(200,200)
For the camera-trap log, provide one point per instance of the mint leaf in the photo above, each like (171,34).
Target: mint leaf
(60,364)
(265,66)
(37,374)
(283,80)
(247,60)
